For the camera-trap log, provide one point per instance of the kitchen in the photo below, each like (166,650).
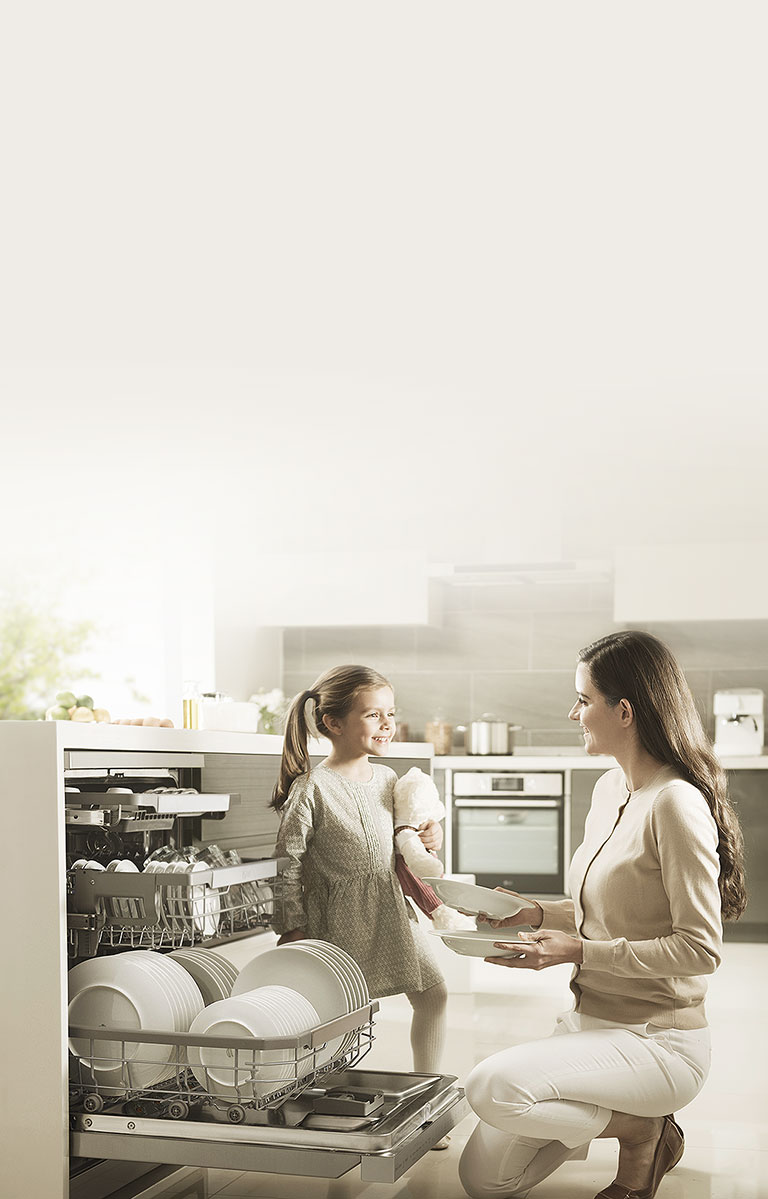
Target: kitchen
(431,338)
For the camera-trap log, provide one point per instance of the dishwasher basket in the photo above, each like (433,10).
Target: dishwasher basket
(108,1067)
(170,910)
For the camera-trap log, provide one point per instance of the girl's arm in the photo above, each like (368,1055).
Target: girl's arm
(293,839)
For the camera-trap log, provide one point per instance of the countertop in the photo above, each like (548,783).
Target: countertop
(563,758)
(70,734)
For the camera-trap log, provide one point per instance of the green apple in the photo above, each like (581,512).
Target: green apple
(84,701)
(66,699)
(57,713)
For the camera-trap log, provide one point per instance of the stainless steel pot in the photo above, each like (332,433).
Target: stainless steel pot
(489,736)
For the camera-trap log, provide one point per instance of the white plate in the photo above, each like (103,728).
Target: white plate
(314,977)
(477,943)
(212,985)
(118,992)
(268,1012)
(472,900)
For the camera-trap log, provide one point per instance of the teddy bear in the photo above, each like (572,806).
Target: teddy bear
(416,799)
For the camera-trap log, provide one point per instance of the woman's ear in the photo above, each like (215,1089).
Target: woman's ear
(626,712)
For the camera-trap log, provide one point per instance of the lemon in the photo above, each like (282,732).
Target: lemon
(66,699)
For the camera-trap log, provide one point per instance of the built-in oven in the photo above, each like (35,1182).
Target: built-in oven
(510,828)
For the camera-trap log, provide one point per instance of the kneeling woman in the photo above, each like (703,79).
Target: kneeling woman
(659,868)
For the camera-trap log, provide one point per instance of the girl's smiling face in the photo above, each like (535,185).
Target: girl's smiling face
(368,727)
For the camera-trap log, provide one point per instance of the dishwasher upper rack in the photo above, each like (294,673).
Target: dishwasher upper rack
(141,910)
(299,1068)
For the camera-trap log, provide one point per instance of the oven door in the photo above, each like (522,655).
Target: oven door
(513,843)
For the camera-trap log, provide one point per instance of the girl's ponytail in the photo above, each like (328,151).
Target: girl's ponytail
(295,760)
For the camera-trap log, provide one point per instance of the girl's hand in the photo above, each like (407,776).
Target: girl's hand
(527,915)
(431,835)
(296,934)
(541,949)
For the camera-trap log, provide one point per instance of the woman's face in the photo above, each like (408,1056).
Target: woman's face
(370,725)
(602,726)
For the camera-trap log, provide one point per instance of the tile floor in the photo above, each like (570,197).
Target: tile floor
(726,1127)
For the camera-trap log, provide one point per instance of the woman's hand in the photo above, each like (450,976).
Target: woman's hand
(431,835)
(296,934)
(541,949)
(527,915)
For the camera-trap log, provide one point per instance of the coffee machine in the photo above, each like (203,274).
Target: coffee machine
(739,725)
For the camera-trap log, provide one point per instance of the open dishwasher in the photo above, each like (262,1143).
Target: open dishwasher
(187,796)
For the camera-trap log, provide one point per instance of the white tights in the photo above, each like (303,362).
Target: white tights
(428,1027)
(543,1102)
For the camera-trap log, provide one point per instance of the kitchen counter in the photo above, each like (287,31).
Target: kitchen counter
(565,758)
(70,734)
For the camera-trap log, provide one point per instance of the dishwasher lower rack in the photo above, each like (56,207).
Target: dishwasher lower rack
(170,910)
(115,1066)
(392,1121)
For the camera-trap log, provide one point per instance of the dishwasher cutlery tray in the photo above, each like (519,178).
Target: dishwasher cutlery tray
(105,1071)
(166,910)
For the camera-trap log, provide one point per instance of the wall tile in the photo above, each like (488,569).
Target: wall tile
(716,644)
(384,649)
(534,699)
(475,641)
(558,637)
(420,696)
(569,737)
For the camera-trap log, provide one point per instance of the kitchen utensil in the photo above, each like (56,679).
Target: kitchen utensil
(489,735)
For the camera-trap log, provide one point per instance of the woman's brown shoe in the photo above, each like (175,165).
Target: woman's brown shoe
(669,1150)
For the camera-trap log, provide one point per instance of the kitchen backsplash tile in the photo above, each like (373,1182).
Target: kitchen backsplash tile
(557,637)
(487,640)
(511,650)
(716,644)
(535,699)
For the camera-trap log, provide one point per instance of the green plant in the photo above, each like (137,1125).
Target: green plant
(37,657)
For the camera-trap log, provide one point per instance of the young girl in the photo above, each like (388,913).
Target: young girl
(337,832)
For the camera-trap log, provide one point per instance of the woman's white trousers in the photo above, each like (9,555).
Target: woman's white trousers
(541,1103)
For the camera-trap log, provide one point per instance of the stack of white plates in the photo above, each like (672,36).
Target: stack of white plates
(245,1074)
(214,974)
(327,976)
(131,991)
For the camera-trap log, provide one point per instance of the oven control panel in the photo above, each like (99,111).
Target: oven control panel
(493,784)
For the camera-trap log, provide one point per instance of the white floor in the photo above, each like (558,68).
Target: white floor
(726,1127)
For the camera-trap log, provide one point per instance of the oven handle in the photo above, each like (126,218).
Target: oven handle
(507,803)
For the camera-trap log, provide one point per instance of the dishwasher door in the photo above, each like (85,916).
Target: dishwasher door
(414,1112)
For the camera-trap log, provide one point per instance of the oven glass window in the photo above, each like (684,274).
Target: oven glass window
(507,840)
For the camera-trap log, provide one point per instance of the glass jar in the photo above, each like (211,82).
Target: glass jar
(440,733)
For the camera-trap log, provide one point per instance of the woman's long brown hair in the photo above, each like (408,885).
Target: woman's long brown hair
(333,694)
(636,666)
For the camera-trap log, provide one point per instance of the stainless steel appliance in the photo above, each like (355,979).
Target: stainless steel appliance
(510,828)
(95,793)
